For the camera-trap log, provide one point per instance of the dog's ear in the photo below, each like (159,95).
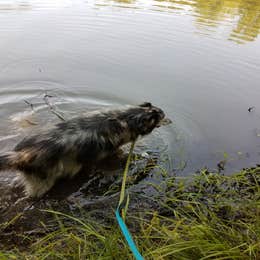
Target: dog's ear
(146,104)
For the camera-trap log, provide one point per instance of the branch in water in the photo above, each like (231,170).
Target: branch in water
(29,103)
(51,107)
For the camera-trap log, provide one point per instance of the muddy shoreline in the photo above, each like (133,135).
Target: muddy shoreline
(222,207)
(95,192)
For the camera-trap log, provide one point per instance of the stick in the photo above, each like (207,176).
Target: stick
(52,108)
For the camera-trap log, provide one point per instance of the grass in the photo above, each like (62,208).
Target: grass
(207,217)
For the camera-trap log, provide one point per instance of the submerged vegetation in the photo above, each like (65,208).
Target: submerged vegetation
(210,216)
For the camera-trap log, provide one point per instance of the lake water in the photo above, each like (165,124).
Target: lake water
(199,60)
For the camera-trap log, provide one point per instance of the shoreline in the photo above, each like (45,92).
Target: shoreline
(208,216)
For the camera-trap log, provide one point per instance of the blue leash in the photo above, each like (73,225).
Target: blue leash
(122,208)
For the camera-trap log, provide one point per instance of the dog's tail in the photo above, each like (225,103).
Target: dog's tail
(7,161)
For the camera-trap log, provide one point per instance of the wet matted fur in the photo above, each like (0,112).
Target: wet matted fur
(63,150)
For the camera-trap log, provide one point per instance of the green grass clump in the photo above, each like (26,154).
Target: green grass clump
(212,217)
(208,217)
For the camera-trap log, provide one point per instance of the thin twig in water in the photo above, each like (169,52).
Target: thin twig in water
(51,107)
(29,103)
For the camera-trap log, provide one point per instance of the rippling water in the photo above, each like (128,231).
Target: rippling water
(199,60)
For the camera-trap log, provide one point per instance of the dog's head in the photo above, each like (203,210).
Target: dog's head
(146,117)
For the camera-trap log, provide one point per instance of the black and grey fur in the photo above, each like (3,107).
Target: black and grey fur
(65,149)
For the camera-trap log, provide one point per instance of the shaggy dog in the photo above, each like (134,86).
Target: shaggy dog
(63,150)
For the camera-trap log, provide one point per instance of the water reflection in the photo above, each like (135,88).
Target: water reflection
(19,6)
(240,17)
(243,15)
(248,25)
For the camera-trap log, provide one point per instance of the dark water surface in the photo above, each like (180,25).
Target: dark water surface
(199,60)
